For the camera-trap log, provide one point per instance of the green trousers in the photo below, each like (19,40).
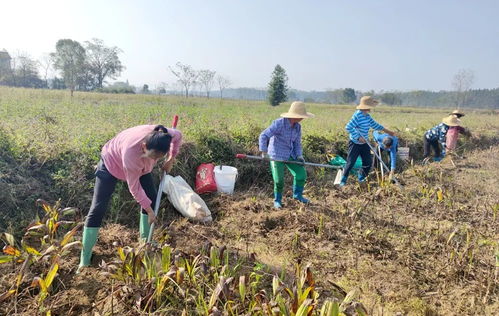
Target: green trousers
(298,171)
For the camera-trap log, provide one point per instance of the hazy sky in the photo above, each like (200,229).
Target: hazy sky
(362,44)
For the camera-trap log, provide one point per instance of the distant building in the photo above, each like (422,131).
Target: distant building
(5,67)
(4,61)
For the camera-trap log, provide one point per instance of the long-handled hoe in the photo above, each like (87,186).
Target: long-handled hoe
(242,156)
(339,168)
(160,189)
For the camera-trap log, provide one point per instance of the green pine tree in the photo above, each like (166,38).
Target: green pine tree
(348,95)
(278,86)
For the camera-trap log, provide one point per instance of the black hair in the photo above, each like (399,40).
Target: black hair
(388,141)
(158,140)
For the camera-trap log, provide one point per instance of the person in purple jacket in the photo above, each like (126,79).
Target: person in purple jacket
(282,141)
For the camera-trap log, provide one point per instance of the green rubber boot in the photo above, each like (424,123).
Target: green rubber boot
(144,227)
(89,239)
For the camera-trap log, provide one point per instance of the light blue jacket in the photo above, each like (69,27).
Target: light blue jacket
(393,149)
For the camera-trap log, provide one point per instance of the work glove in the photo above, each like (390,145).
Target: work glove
(300,159)
(151,217)
(168,164)
(265,155)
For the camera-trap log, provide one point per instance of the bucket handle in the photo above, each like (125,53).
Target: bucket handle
(237,173)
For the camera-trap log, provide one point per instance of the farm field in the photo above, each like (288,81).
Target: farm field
(428,248)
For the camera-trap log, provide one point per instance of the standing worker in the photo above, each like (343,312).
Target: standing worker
(130,156)
(358,128)
(282,141)
(390,144)
(436,137)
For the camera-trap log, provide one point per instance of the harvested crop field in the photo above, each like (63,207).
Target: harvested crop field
(429,247)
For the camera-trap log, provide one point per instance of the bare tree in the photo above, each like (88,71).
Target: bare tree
(206,78)
(102,61)
(24,72)
(461,83)
(196,88)
(186,76)
(46,65)
(223,83)
(177,88)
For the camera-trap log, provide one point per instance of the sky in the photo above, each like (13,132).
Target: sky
(377,44)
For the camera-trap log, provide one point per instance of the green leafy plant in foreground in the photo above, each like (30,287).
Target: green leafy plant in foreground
(45,243)
(213,282)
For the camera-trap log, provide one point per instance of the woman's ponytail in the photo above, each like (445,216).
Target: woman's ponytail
(159,140)
(160,128)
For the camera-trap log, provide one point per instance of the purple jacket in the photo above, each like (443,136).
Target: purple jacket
(281,140)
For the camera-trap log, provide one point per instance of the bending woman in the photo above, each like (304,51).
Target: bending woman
(130,156)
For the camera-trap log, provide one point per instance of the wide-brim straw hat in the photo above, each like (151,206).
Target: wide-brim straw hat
(451,120)
(367,103)
(457,112)
(297,110)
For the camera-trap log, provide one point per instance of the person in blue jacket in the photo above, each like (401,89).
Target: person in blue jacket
(358,128)
(390,144)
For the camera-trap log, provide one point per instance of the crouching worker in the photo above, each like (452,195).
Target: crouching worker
(358,128)
(390,144)
(282,141)
(457,113)
(130,156)
(453,133)
(436,137)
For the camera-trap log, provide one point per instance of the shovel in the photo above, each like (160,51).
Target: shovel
(160,189)
(380,160)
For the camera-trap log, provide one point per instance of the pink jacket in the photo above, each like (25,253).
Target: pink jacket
(452,136)
(123,157)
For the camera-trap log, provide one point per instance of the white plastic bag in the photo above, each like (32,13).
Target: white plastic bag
(185,200)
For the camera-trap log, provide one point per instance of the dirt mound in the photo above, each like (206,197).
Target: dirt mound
(18,184)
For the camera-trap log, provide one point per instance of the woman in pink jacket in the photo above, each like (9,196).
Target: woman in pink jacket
(454,131)
(130,157)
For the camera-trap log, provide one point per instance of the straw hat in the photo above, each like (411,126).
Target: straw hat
(297,110)
(458,113)
(451,120)
(367,102)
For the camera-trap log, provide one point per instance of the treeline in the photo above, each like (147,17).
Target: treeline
(479,98)
(78,66)
(89,66)
(21,71)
